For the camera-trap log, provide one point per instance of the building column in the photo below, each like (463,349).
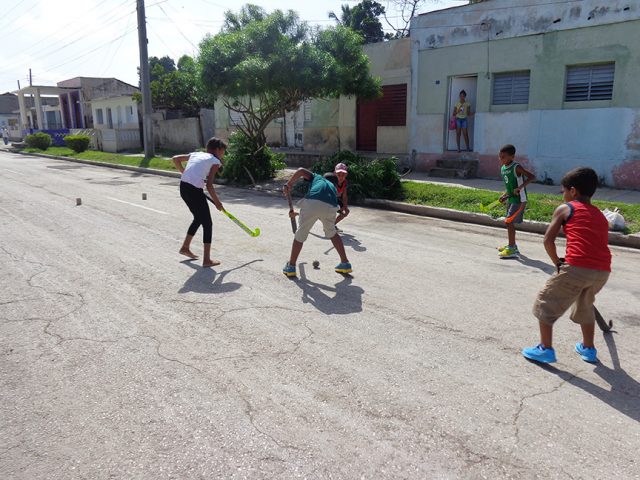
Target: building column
(63,119)
(42,125)
(24,121)
(72,112)
(81,102)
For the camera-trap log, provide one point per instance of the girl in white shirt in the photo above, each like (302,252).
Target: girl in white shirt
(199,172)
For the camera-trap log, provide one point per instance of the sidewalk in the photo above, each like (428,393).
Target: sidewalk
(605,193)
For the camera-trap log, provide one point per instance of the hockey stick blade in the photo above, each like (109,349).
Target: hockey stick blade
(602,323)
(484,209)
(253,233)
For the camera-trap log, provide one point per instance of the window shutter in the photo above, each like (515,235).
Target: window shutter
(392,107)
(590,82)
(511,88)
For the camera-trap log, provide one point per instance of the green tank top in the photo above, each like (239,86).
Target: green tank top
(512,181)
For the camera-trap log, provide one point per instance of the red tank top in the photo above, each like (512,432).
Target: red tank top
(587,232)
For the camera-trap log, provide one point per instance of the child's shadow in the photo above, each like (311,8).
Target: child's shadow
(347,298)
(347,239)
(624,392)
(530,262)
(206,280)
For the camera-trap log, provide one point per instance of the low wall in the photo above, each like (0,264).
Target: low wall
(182,134)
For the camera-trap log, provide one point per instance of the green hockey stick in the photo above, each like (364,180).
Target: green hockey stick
(253,233)
(485,209)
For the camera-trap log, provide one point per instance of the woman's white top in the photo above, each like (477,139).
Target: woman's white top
(198,168)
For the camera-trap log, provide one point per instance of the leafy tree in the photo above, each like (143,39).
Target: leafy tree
(160,66)
(176,88)
(363,18)
(263,65)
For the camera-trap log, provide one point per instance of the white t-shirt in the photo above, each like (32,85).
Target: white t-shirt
(198,168)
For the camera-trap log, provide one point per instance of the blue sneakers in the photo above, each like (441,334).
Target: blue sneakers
(588,354)
(289,270)
(344,267)
(540,354)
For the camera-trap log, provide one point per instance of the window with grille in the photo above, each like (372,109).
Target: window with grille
(589,82)
(511,88)
(392,107)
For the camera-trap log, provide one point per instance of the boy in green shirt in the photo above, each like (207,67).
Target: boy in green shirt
(515,195)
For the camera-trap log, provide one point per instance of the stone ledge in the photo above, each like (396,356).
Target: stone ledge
(615,238)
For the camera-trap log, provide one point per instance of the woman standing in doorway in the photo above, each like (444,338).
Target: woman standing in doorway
(462,112)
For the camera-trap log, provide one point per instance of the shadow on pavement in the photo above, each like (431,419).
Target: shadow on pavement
(206,280)
(624,392)
(347,298)
(348,240)
(530,262)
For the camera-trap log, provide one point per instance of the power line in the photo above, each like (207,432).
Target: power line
(92,50)
(110,20)
(177,27)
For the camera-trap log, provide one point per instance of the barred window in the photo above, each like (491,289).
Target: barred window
(589,82)
(511,88)
(392,107)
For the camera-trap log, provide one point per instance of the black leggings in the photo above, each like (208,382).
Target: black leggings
(196,201)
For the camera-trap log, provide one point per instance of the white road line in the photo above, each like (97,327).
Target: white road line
(139,206)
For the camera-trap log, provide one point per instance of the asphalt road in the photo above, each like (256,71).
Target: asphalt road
(122,360)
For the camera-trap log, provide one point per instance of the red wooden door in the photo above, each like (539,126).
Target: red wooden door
(366,125)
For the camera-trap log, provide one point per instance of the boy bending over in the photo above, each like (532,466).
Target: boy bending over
(319,203)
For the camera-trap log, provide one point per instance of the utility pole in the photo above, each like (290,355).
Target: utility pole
(30,79)
(147,125)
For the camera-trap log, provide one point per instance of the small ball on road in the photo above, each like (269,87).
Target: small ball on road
(316,264)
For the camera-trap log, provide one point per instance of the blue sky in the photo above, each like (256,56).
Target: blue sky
(98,38)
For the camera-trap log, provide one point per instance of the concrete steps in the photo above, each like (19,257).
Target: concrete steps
(455,167)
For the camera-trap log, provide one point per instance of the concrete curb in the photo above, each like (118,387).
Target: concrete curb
(150,171)
(615,238)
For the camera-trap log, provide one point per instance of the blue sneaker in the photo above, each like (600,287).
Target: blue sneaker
(289,270)
(540,354)
(344,267)
(588,354)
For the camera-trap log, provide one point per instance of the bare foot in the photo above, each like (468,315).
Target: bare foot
(188,253)
(210,263)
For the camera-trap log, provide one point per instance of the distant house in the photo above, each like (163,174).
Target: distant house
(84,90)
(115,118)
(67,108)
(9,116)
(557,79)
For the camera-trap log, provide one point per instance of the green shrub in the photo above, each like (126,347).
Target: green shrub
(244,160)
(77,143)
(38,140)
(368,178)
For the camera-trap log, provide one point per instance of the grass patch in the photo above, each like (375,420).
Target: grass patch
(540,206)
(158,163)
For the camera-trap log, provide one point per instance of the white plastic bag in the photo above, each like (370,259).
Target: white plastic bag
(615,219)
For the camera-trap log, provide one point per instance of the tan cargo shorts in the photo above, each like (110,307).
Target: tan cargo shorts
(312,211)
(571,286)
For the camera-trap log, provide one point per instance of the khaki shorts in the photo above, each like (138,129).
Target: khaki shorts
(312,211)
(573,285)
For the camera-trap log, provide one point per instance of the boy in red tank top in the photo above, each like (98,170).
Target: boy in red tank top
(581,273)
